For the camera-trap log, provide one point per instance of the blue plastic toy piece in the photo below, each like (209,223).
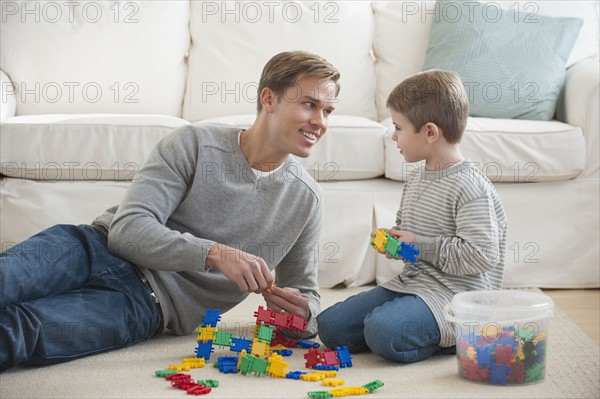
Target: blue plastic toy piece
(294,374)
(283,352)
(239,344)
(325,367)
(211,317)
(204,349)
(307,343)
(344,356)
(227,364)
(408,252)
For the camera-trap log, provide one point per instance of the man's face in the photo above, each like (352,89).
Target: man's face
(301,114)
(410,141)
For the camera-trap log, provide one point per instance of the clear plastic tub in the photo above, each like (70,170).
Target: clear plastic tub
(501,335)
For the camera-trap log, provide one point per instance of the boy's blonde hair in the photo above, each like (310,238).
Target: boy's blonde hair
(433,96)
(286,68)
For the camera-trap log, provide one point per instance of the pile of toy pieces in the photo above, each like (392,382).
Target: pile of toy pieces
(502,355)
(385,242)
(263,355)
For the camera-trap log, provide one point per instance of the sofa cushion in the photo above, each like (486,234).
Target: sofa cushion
(80,147)
(96,56)
(411,22)
(231,42)
(510,150)
(503,80)
(351,149)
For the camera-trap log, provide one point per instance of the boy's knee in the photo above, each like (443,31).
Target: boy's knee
(406,342)
(327,329)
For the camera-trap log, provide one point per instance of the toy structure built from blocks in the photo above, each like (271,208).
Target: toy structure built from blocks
(263,355)
(385,242)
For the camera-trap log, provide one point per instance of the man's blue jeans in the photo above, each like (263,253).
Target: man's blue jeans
(398,327)
(63,295)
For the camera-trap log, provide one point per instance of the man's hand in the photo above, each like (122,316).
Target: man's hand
(249,272)
(288,300)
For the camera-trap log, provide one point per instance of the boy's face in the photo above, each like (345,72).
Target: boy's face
(410,141)
(300,116)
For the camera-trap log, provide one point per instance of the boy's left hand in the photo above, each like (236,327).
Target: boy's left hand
(288,300)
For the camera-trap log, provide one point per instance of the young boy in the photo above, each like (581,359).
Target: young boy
(212,213)
(449,210)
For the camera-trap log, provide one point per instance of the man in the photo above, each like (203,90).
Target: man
(209,216)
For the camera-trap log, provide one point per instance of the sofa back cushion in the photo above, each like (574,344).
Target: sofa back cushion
(402,34)
(511,151)
(232,41)
(352,148)
(95,57)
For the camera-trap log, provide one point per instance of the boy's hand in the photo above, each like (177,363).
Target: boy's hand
(403,236)
(288,300)
(249,272)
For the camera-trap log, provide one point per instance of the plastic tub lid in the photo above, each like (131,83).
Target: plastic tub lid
(500,306)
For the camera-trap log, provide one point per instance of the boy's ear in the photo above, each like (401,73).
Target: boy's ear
(432,132)
(267,99)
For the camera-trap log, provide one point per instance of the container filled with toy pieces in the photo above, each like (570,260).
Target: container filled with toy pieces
(501,335)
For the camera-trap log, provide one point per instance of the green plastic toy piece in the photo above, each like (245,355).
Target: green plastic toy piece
(209,383)
(320,395)
(373,385)
(164,373)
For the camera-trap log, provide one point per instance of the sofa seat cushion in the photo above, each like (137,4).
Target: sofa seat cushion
(88,147)
(351,149)
(517,151)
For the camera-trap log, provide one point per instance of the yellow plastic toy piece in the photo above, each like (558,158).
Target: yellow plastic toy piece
(491,332)
(379,240)
(333,382)
(194,362)
(260,349)
(311,377)
(278,367)
(339,392)
(327,373)
(471,353)
(179,367)
(540,337)
(206,334)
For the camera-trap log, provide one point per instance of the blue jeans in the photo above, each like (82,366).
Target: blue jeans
(63,295)
(398,327)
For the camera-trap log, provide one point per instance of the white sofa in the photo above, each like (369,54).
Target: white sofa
(88,88)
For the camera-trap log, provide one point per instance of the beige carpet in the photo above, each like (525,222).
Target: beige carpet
(572,370)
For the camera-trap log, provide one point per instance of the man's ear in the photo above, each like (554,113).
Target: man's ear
(432,132)
(267,99)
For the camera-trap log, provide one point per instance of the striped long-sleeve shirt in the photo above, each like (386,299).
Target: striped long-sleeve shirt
(461,228)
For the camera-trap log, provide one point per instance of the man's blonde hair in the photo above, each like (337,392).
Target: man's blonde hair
(285,69)
(433,96)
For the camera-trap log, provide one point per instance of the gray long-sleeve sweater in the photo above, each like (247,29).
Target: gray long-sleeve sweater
(196,189)
(461,230)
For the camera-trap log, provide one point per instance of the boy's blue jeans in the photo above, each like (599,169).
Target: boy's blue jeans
(63,295)
(398,327)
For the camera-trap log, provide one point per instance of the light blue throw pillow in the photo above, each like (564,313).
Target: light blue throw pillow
(512,63)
